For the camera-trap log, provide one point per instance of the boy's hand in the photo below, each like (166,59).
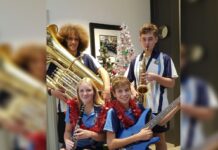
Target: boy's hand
(143,78)
(135,94)
(150,76)
(144,134)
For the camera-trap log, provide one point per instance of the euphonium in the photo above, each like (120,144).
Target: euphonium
(142,88)
(24,97)
(68,69)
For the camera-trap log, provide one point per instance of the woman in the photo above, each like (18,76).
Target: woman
(90,133)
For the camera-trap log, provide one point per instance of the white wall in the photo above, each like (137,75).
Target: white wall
(22,21)
(134,13)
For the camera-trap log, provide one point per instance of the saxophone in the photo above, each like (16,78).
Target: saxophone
(142,88)
(79,121)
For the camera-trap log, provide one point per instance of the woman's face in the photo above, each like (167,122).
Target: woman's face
(73,43)
(86,93)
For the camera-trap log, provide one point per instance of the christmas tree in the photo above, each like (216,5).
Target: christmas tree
(125,50)
(105,61)
(117,64)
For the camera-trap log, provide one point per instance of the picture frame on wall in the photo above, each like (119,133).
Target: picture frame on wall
(103,35)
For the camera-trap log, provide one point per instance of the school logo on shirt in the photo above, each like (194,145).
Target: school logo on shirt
(156,62)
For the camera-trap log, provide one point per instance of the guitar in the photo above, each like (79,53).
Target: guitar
(142,123)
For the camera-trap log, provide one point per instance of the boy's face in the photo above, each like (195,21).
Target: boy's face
(123,94)
(148,40)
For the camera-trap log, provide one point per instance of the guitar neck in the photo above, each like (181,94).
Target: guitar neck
(160,116)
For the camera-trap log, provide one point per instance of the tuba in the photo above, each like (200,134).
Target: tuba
(67,70)
(23,98)
(142,88)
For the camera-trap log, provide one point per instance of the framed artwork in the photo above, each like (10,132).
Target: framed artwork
(104,35)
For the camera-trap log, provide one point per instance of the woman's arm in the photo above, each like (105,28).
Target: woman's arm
(114,143)
(83,134)
(67,137)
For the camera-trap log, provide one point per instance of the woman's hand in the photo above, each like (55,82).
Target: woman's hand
(69,144)
(83,134)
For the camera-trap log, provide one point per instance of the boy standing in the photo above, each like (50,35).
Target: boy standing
(160,74)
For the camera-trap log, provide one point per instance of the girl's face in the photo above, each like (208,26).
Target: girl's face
(123,94)
(86,93)
(72,43)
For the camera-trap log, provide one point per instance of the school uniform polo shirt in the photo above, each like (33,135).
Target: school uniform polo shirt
(194,92)
(113,124)
(158,63)
(88,121)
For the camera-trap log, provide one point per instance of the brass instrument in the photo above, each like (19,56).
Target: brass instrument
(69,70)
(142,88)
(26,96)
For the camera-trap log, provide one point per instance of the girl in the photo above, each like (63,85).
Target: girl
(90,134)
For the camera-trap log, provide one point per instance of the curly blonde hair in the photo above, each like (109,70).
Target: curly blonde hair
(68,29)
(97,99)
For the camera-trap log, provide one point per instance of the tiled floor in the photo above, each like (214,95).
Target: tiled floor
(170,146)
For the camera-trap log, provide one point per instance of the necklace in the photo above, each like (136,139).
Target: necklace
(120,111)
(100,120)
